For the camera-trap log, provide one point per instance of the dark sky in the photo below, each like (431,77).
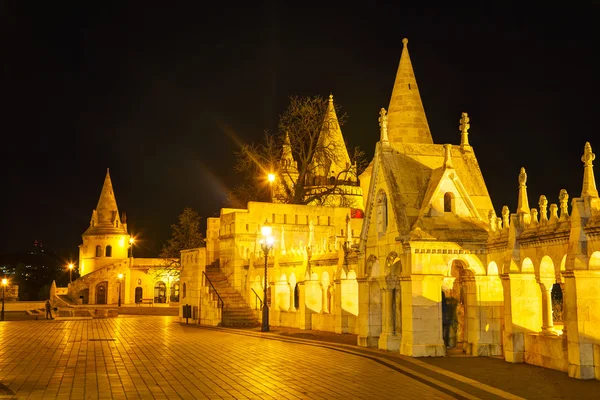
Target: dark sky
(156,94)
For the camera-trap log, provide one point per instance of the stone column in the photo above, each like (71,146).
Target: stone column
(580,299)
(369,314)
(547,320)
(522,305)
(421,316)
(389,338)
(303,317)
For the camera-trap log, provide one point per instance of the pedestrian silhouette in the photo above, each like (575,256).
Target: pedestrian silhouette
(48,309)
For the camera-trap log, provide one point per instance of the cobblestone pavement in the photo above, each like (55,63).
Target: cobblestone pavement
(156,357)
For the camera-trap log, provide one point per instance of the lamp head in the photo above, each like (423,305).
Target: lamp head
(120,276)
(271,178)
(71,266)
(266,230)
(131,240)
(4,281)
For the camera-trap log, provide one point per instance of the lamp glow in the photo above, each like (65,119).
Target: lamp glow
(5,281)
(271,177)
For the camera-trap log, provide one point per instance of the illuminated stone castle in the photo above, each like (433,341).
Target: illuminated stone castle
(106,253)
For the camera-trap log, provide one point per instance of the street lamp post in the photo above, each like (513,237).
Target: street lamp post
(266,245)
(71,273)
(120,280)
(271,179)
(4,283)
(131,242)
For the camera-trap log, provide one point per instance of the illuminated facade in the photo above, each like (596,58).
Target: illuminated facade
(431,266)
(106,252)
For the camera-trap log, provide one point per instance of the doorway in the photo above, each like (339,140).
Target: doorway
(101,293)
(138,294)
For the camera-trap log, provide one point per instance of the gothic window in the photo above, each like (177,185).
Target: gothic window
(296,297)
(382,213)
(98,251)
(109,251)
(557,303)
(449,202)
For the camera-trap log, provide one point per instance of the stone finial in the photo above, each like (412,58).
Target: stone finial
(405,42)
(448,156)
(563,198)
(523,203)
(492,219)
(543,204)
(534,217)
(464,129)
(331,97)
(553,213)
(505,217)
(589,182)
(499,223)
(383,125)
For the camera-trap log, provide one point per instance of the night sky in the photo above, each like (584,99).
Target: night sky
(162,97)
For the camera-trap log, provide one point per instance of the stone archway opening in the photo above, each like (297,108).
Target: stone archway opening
(454,306)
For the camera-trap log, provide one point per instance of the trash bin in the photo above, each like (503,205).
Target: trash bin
(187,312)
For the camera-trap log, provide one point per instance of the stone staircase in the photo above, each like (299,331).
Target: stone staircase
(235,313)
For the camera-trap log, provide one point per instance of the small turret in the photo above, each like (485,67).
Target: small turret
(589,182)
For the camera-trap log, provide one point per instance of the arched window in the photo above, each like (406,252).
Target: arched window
(160,292)
(448,202)
(175,292)
(98,251)
(382,213)
(296,297)
(109,251)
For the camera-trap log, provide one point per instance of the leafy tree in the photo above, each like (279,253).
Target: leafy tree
(304,121)
(185,235)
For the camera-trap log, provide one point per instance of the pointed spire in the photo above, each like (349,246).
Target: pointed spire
(543,204)
(331,138)
(105,218)
(563,199)
(523,203)
(286,153)
(464,129)
(589,183)
(406,115)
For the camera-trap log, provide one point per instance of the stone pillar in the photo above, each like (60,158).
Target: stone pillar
(522,313)
(421,316)
(346,303)
(389,338)
(547,320)
(369,314)
(580,299)
(303,317)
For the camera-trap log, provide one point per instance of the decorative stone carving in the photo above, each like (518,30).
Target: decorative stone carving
(589,182)
(534,217)
(563,198)
(499,223)
(553,213)
(464,129)
(383,125)
(543,204)
(505,217)
(492,220)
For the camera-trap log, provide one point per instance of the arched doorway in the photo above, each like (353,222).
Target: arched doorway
(139,292)
(454,306)
(175,292)
(101,293)
(160,292)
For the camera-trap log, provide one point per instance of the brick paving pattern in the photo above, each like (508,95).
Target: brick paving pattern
(156,357)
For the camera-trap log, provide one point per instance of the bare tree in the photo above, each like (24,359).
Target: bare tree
(311,132)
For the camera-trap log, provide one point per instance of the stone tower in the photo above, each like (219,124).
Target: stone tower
(106,240)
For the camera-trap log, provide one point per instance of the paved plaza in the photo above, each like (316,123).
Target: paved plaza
(145,357)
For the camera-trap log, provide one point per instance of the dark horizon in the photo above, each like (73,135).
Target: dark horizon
(161,96)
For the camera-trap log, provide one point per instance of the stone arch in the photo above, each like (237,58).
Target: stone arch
(449,202)
(325,282)
(492,269)
(595,260)
(527,266)
(546,268)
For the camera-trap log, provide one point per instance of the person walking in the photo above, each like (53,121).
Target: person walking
(48,309)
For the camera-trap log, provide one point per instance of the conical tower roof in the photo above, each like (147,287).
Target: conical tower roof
(331,138)
(407,122)
(105,218)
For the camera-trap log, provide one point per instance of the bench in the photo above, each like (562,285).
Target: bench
(146,301)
